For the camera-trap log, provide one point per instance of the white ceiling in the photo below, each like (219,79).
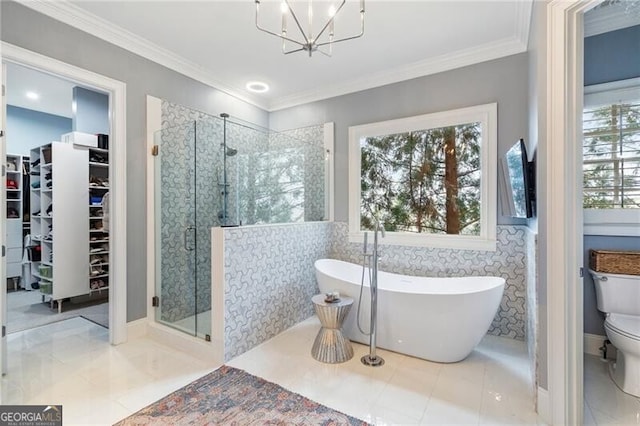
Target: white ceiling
(216,41)
(55,94)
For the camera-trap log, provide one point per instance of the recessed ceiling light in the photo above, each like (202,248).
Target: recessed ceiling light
(257,86)
(32,95)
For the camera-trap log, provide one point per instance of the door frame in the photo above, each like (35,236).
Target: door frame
(4,362)
(563,210)
(117,171)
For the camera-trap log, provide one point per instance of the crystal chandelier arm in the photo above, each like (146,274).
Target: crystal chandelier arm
(329,22)
(350,37)
(271,32)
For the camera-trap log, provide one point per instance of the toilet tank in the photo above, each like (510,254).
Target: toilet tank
(617,293)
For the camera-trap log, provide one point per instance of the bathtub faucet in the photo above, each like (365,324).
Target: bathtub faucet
(373,359)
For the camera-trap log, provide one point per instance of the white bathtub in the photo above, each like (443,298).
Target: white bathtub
(438,319)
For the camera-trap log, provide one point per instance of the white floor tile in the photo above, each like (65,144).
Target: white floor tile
(71,363)
(99,384)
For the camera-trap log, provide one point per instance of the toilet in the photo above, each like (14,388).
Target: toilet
(618,296)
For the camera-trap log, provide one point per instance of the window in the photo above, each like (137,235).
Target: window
(430,180)
(611,158)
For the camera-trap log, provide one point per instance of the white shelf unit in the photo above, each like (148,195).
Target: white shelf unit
(98,238)
(14,216)
(59,219)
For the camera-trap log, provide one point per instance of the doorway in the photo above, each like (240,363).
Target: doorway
(114,176)
(611,213)
(562,216)
(57,174)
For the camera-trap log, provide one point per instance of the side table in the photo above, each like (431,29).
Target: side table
(330,345)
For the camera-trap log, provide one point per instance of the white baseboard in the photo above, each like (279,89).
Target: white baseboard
(137,329)
(593,343)
(544,405)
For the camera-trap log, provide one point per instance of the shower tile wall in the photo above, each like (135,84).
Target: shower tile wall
(508,261)
(251,146)
(180,297)
(269,280)
(532,304)
(281,176)
(314,169)
(255,192)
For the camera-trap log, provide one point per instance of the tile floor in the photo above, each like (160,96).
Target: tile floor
(72,363)
(489,387)
(25,310)
(605,404)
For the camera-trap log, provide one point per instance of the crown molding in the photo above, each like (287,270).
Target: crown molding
(442,63)
(524,10)
(609,18)
(70,14)
(461,58)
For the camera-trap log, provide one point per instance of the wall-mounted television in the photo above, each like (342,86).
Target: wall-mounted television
(520,175)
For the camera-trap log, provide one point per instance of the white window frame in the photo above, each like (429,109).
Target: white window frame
(487,116)
(614,222)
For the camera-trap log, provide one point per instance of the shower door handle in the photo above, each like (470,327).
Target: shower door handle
(187,231)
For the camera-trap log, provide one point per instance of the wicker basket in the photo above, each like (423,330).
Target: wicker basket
(615,262)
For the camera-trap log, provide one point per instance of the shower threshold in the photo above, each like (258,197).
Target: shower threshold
(188,324)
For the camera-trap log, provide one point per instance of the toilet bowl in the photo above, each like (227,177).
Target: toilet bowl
(624,333)
(619,297)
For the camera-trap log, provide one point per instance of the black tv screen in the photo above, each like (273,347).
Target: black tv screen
(521,180)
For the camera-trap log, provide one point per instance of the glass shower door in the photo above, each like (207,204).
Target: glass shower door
(175,234)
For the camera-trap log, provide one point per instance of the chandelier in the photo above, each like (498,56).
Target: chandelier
(307,41)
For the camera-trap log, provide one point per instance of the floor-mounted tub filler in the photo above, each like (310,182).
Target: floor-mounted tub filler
(437,319)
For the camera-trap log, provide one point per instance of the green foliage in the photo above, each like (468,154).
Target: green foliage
(403,180)
(611,152)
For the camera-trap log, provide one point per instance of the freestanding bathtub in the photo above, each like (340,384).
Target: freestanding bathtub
(438,319)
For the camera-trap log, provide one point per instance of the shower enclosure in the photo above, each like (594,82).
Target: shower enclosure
(217,171)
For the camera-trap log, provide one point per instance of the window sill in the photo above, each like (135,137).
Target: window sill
(614,222)
(456,242)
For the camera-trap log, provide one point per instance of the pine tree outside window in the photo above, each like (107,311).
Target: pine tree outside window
(611,158)
(430,180)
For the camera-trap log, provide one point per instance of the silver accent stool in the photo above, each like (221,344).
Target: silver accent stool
(330,345)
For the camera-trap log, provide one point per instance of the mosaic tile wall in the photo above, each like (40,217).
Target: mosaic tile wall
(532,306)
(187,277)
(314,169)
(508,261)
(269,280)
(192,161)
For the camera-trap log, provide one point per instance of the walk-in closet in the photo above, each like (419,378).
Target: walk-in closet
(57,190)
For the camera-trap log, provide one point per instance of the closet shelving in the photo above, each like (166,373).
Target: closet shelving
(26,198)
(58,198)
(14,217)
(98,236)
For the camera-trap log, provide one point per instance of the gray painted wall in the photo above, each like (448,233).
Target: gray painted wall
(594,319)
(30,30)
(503,81)
(28,129)
(91,111)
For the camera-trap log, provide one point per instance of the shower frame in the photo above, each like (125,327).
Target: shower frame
(154,123)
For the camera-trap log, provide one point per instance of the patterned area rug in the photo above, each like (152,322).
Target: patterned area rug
(229,396)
